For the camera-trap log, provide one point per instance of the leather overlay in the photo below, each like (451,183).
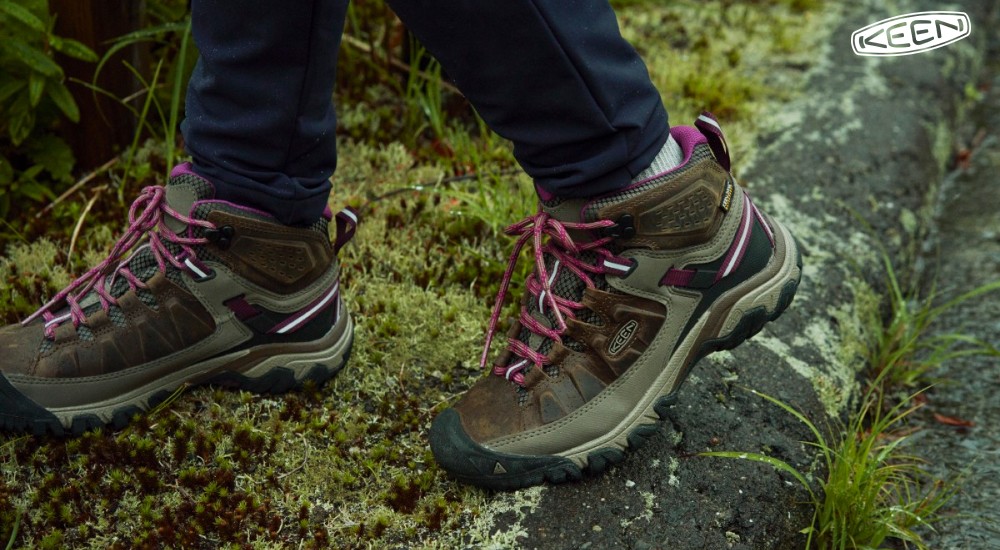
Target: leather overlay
(490,408)
(272,255)
(651,265)
(629,324)
(679,213)
(582,376)
(599,416)
(178,322)
(19,347)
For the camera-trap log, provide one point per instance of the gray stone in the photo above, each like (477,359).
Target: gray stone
(964,256)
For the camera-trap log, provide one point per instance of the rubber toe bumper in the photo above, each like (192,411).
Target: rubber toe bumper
(473,463)
(20,414)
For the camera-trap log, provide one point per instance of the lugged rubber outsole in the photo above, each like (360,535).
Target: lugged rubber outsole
(470,462)
(20,414)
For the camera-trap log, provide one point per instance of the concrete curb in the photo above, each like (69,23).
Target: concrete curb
(869,141)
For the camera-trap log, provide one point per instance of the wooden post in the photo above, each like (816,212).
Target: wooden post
(105,126)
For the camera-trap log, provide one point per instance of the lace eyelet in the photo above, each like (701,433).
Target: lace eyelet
(221,237)
(203,278)
(624,228)
(198,274)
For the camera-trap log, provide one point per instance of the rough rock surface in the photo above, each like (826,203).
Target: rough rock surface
(966,255)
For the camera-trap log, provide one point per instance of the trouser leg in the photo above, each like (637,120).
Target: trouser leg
(259,119)
(556,78)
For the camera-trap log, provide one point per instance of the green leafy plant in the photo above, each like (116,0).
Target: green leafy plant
(33,100)
(874,491)
(159,102)
(13,532)
(902,353)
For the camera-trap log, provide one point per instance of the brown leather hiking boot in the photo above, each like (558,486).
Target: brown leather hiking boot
(213,293)
(629,291)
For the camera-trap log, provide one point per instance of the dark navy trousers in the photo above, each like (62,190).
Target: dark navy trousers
(553,76)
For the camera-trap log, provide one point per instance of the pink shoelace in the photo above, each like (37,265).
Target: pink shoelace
(566,254)
(145,214)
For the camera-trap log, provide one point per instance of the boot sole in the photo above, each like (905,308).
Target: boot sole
(473,463)
(272,375)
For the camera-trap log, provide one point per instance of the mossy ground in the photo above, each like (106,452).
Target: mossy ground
(347,464)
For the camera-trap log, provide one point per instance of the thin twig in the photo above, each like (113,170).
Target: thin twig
(79,221)
(438,182)
(139,93)
(76,186)
(305,460)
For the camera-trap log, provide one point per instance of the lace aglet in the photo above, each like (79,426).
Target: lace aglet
(484,356)
(40,311)
(27,321)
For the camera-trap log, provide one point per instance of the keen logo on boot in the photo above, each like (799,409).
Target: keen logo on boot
(623,337)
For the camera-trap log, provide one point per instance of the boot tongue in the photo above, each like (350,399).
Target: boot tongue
(565,210)
(570,211)
(181,197)
(184,189)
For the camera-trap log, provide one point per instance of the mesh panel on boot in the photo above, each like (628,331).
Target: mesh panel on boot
(522,396)
(202,188)
(117,316)
(143,265)
(84,333)
(566,285)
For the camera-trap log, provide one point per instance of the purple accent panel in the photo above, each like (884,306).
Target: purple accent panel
(763,223)
(543,194)
(328,213)
(241,308)
(677,277)
(184,169)
(347,224)
(297,319)
(740,243)
(685,136)
(710,127)
(233,205)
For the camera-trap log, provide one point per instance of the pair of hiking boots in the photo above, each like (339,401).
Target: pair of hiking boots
(629,290)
